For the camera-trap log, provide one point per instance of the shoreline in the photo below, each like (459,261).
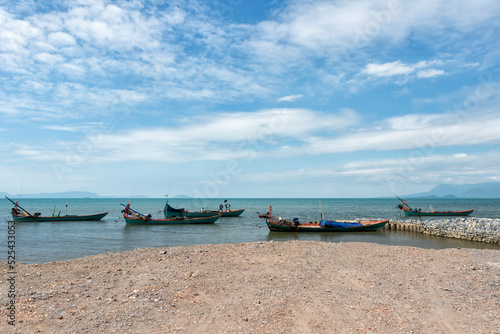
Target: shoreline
(275,287)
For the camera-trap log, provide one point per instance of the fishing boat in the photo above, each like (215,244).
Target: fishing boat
(19,214)
(171,212)
(419,212)
(230,213)
(224,211)
(284,225)
(133,217)
(408,211)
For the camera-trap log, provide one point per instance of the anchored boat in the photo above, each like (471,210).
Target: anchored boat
(19,214)
(133,217)
(224,211)
(408,211)
(283,225)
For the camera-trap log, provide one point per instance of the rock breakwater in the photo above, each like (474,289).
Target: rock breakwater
(470,228)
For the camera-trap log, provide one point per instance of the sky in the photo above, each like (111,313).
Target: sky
(248,99)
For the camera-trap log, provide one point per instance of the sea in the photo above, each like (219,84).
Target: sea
(58,241)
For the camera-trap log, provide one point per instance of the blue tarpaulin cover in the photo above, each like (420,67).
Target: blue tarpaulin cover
(171,209)
(333,223)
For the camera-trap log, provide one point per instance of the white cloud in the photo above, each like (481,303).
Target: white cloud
(396,72)
(397,68)
(243,134)
(181,52)
(344,28)
(222,136)
(428,169)
(413,132)
(388,69)
(289,98)
(87,127)
(15,35)
(48,58)
(422,100)
(109,26)
(87,59)
(72,70)
(429,73)
(289,133)
(61,39)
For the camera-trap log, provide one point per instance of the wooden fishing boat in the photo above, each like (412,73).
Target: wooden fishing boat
(283,225)
(170,212)
(436,213)
(134,217)
(226,211)
(230,213)
(21,215)
(408,211)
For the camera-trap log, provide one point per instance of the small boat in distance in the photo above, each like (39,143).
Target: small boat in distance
(170,212)
(230,213)
(284,225)
(133,217)
(408,211)
(224,211)
(19,214)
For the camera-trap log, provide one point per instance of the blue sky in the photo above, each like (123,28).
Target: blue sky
(239,98)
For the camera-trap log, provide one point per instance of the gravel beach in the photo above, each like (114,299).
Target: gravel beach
(263,287)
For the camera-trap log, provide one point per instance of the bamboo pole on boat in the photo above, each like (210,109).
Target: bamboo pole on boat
(20,207)
(321,208)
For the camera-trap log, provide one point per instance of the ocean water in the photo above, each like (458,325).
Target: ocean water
(57,241)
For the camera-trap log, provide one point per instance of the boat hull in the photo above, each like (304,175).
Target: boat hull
(97,216)
(170,212)
(438,213)
(231,213)
(316,227)
(188,214)
(170,221)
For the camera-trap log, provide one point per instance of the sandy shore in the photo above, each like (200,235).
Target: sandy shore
(264,287)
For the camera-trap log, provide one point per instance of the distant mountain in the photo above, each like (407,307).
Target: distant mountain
(476,190)
(66,194)
(181,196)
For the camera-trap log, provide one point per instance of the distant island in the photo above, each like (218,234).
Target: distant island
(475,190)
(66,194)
(181,196)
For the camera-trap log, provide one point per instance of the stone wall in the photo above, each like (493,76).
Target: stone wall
(470,228)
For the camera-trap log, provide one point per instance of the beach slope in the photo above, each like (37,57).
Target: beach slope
(262,287)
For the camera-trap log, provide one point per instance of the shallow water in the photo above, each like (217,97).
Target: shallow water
(56,241)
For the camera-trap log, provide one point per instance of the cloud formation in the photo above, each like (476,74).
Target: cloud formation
(289,98)
(192,82)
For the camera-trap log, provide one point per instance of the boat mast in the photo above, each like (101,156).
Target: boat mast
(404,202)
(20,207)
(142,215)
